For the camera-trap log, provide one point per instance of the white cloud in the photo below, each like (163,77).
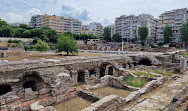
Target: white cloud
(15,18)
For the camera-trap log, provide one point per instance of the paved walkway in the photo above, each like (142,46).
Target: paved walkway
(161,99)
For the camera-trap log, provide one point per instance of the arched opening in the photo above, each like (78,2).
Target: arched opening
(102,72)
(124,66)
(5,89)
(145,61)
(81,77)
(110,71)
(30,84)
(134,63)
(92,72)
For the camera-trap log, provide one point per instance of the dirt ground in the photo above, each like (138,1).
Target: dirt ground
(74,104)
(37,56)
(106,91)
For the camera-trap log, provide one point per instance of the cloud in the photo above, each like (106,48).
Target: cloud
(78,13)
(15,18)
(12,17)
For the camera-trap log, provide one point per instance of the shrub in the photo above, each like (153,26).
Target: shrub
(135,82)
(41,46)
(152,45)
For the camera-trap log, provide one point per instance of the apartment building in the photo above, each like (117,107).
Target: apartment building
(127,26)
(66,25)
(85,30)
(60,24)
(76,26)
(36,21)
(112,30)
(96,27)
(175,19)
(54,22)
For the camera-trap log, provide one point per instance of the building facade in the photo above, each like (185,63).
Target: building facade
(53,22)
(96,28)
(127,26)
(60,24)
(76,26)
(36,21)
(112,30)
(175,19)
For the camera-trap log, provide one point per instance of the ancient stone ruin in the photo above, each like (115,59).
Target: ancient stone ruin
(36,85)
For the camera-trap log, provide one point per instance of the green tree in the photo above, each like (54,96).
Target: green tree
(6,31)
(167,33)
(107,34)
(67,44)
(116,38)
(41,46)
(143,33)
(3,23)
(26,34)
(135,36)
(19,32)
(184,33)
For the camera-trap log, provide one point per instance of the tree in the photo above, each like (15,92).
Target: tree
(143,33)
(107,34)
(67,44)
(41,46)
(6,31)
(19,32)
(167,33)
(116,38)
(135,36)
(184,33)
(3,23)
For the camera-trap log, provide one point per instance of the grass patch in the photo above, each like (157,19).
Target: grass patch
(135,82)
(79,84)
(185,54)
(143,74)
(161,71)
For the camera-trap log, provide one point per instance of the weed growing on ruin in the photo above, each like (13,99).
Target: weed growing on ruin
(185,54)
(143,74)
(161,71)
(135,82)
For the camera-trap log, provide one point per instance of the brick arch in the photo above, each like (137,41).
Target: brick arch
(145,61)
(33,80)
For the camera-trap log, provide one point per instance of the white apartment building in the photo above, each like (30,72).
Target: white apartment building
(127,26)
(36,21)
(175,19)
(96,27)
(112,30)
(76,26)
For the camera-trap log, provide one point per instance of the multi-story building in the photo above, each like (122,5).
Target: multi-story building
(54,22)
(112,30)
(85,30)
(175,19)
(36,21)
(127,26)
(66,25)
(76,26)
(60,24)
(96,27)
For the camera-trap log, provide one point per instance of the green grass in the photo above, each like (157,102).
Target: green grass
(79,84)
(134,82)
(143,74)
(185,54)
(161,71)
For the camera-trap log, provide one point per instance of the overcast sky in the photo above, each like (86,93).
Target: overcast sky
(103,11)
